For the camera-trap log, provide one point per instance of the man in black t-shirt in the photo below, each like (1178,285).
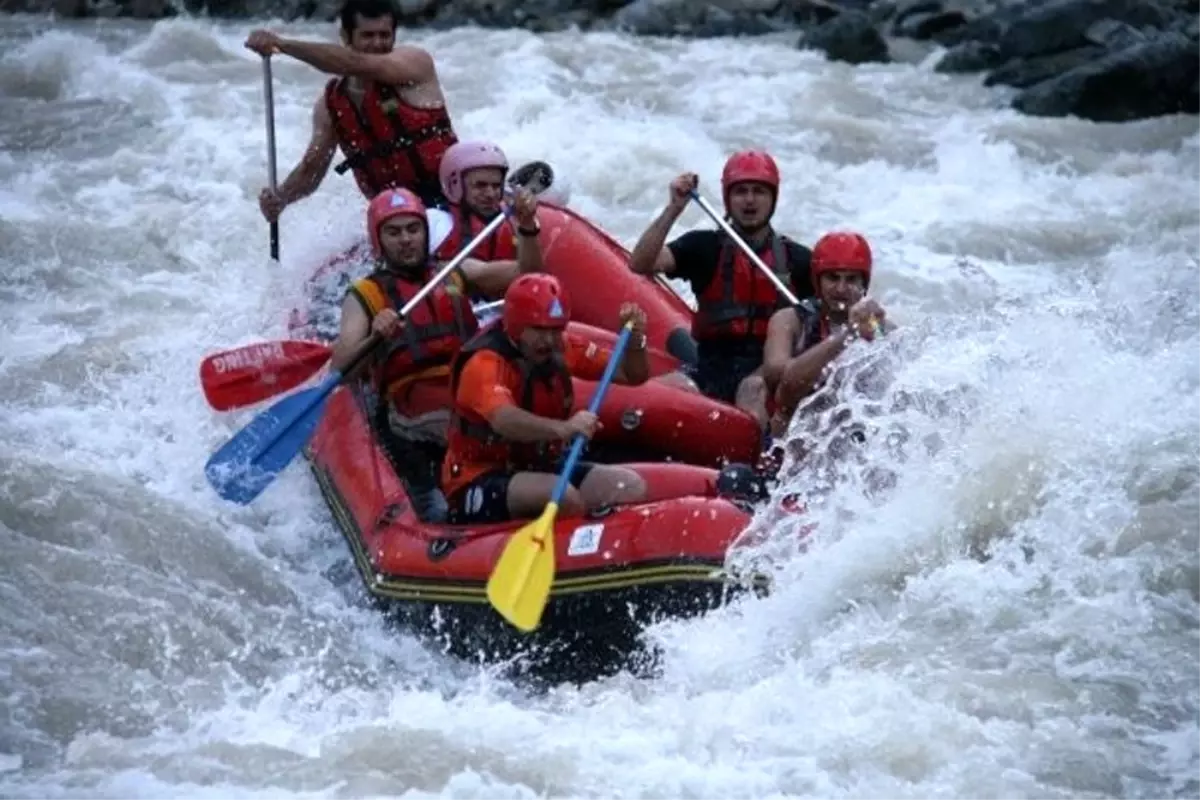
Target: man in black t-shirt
(734,300)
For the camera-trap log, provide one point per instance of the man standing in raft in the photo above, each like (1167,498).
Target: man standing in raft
(802,341)
(512,411)
(734,299)
(385,111)
(472,177)
(412,372)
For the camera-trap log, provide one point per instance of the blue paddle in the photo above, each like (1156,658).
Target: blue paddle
(254,457)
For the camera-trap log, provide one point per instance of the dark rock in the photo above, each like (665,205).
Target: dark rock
(1113,35)
(926,26)
(1146,80)
(809,12)
(848,37)
(1060,24)
(970,57)
(1022,73)
(695,19)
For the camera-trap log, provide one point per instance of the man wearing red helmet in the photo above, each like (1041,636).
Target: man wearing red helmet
(385,109)
(513,396)
(411,374)
(734,300)
(472,177)
(802,341)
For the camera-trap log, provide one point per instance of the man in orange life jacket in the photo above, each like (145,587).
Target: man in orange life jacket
(512,411)
(472,176)
(385,110)
(734,299)
(802,341)
(412,372)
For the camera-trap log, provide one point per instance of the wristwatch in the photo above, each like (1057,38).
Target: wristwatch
(637,341)
(534,231)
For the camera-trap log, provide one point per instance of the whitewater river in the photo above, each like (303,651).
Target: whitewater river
(1015,615)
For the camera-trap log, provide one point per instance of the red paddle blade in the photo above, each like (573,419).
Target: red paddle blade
(247,375)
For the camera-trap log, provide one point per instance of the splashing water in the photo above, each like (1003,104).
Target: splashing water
(998,597)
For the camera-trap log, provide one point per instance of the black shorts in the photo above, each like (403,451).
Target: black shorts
(485,499)
(719,374)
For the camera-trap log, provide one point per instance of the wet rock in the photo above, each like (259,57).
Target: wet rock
(1113,34)
(848,37)
(697,19)
(1021,73)
(1145,80)
(970,57)
(1061,24)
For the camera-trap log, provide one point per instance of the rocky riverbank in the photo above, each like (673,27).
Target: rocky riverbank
(1104,60)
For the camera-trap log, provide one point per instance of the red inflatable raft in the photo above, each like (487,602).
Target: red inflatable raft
(655,421)
(616,571)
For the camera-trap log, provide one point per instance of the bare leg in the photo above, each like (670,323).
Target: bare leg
(679,381)
(608,485)
(528,493)
(752,398)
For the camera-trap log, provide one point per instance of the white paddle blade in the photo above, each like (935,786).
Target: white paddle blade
(440,226)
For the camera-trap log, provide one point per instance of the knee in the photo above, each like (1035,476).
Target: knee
(680,381)
(572,503)
(629,486)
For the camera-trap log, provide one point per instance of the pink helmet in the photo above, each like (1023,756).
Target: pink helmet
(461,158)
(393,203)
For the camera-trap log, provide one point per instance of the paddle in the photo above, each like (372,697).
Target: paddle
(252,373)
(780,286)
(269,97)
(245,465)
(519,585)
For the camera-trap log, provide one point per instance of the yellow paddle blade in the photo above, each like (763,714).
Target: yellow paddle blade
(519,585)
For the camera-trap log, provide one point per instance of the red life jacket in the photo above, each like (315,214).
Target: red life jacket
(739,300)
(388,142)
(432,334)
(500,246)
(546,390)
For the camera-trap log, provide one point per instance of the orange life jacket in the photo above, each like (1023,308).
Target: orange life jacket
(388,142)
(432,334)
(500,246)
(739,300)
(546,391)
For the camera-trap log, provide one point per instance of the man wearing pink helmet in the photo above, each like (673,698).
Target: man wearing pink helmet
(411,374)
(384,108)
(472,178)
(734,300)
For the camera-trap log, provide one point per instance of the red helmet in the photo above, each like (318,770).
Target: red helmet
(392,203)
(755,166)
(841,251)
(535,301)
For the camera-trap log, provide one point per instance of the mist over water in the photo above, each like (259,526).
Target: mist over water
(1000,597)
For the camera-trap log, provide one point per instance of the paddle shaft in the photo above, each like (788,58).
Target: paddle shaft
(614,360)
(780,286)
(269,98)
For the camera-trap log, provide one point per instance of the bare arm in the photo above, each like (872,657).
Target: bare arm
(304,179)
(634,369)
(355,327)
(778,349)
(405,65)
(492,278)
(802,373)
(518,425)
(649,254)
